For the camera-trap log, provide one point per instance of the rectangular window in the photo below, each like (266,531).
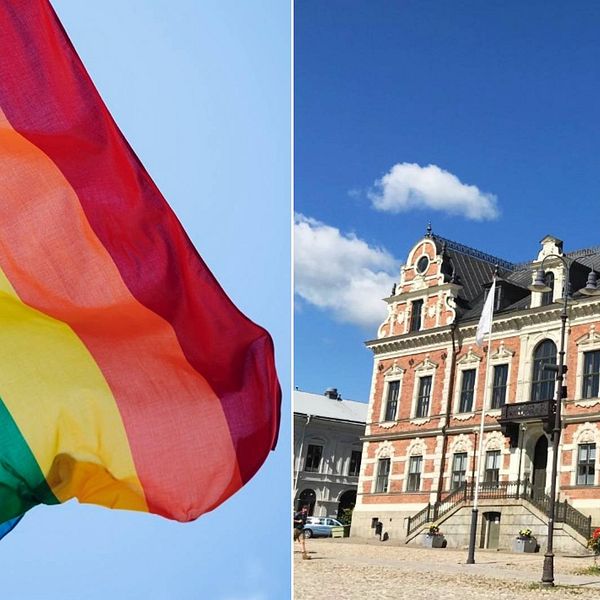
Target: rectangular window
(459,469)
(591,374)
(313,458)
(415,315)
(499,386)
(586,463)
(414,474)
(383,472)
(424,396)
(355,463)
(392,400)
(467,391)
(492,466)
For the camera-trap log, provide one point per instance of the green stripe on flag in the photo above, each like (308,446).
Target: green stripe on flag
(22,483)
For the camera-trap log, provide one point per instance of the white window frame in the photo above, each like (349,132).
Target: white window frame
(528,344)
(395,373)
(487,452)
(423,369)
(590,342)
(408,472)
(586,433)
(389,475)
(502,356)
(576,451)
(467,362)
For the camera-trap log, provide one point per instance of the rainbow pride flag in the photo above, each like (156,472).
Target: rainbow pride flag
(128,379)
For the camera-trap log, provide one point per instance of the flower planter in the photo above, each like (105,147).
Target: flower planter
(337,532)
(433,541)
(524,544)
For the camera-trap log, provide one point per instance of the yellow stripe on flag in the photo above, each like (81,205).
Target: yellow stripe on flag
(50,382)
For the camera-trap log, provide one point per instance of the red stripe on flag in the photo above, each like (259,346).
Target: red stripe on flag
(49,98)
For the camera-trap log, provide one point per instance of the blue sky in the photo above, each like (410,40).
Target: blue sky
(481,117)
(202,92)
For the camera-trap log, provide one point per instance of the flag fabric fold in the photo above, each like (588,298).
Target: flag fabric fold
(485,321)
(127,377)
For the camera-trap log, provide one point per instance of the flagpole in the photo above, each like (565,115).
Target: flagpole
(475,511)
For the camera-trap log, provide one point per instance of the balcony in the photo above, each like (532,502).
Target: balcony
(512,415)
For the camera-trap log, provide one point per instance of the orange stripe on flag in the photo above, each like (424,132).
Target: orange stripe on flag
(175,425)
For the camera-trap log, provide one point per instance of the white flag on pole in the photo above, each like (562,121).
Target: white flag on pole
(485,321)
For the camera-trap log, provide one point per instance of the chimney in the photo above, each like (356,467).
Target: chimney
(332,393)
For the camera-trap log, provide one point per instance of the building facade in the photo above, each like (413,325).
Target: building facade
(421,445)
(327,451)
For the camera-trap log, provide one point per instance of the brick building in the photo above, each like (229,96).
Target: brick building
(428,391)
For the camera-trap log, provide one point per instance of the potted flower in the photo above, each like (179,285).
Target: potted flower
(525,541)
(594,543)
(433,537)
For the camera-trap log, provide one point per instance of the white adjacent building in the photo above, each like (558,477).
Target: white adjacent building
(327,451)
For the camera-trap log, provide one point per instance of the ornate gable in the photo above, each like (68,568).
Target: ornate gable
(592,338)
(426,365)
(470,358)
(394,372)
(502,353)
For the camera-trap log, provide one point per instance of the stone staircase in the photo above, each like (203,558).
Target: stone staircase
(519,503)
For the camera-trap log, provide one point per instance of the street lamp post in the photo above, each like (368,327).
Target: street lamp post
(539,285)
(591,289)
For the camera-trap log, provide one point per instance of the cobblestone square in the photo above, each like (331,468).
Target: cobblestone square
(349,569)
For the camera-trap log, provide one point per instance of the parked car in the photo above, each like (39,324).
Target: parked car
(320,526)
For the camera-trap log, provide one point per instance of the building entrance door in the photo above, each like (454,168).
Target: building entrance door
(490,532)
(540,461)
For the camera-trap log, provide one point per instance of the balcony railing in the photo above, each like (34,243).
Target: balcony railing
(513,414)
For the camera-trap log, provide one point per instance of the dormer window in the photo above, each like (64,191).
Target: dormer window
(498,299)
(548,297)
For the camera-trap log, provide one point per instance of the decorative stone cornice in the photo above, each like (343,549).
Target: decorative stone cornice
(397,343)
(431,290)
(582,418)
(403,435)
(380,437)
(514,321)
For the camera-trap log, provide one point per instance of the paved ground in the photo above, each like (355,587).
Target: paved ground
(349,569)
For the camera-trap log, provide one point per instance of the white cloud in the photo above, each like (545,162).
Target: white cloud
(409,186)
(342,273)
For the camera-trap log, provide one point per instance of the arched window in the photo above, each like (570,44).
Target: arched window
(306,498)
(543,381)
(547,297)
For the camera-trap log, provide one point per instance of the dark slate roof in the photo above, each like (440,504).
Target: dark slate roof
(474,270)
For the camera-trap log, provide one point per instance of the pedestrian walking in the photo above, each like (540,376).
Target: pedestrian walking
(299,535)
